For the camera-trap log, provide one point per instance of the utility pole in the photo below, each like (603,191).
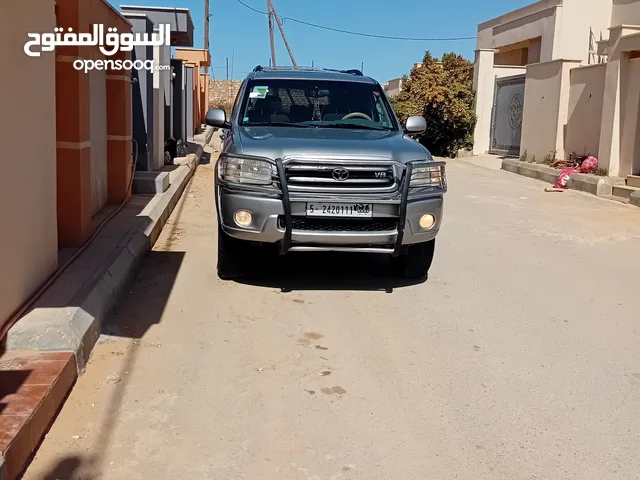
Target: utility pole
(362,67)
(227,68)
(206,30)
(233,56)
(271,40)
(284,37)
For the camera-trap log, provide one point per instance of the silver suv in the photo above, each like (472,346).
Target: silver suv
(316,160)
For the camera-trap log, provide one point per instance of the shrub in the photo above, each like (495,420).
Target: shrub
(442,92)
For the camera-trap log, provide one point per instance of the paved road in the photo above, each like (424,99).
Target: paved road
(519,358)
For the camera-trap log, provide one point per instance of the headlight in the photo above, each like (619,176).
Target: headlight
(246,170)
(429,175)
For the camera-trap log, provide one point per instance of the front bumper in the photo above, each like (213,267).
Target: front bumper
(266,227)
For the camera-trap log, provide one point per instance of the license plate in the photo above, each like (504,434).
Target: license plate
(357,210)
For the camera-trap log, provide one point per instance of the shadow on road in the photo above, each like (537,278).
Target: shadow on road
(141,307)
(66,469)
(325,271)
(144,304)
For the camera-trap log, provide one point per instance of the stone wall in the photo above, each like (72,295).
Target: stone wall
(222,93)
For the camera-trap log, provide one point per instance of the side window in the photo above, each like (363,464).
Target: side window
(236,103)
(383,116)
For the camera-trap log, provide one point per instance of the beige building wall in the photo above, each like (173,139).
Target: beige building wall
(512,57)
(624,44)
(630,137)
(585,109)
(579,18)
(625,12)
(546,101)
(545,31)
(534,50)
(161,78)
(98,138)
(28,244)
(562,28)
(502,71)
(537,21)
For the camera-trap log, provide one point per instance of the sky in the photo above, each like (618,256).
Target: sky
(243,36)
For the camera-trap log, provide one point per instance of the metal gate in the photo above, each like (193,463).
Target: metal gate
(506,125)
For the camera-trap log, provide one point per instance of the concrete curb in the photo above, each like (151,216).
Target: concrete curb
(531,170)
(511,165)
(77,328)
(634,199)
(150,182)
(596,185)
(600,186)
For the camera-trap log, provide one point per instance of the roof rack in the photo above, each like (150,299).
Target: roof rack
(260,68)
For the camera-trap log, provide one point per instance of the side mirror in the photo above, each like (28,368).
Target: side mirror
(216,117)
(416,124)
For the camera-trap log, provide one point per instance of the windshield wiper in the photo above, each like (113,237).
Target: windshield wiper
(353,126)
(277,124)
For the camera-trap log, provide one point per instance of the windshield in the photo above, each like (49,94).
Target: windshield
(319,104)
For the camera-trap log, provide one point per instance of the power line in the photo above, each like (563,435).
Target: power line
(360,34)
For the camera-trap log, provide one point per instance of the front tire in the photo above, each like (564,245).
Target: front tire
(231,257)
(416,261)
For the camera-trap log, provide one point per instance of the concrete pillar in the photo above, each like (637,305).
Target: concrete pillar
(159,84)
(168,97)
(73,148)
(178,105)
(119,133)
(555,44)
(484,81)
(143,112)
(610,127)
(563,105)
(204,96)
(189,103)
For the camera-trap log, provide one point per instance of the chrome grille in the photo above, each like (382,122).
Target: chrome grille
(341,224)
(337,177)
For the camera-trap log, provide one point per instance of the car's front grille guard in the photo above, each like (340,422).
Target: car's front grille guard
(285,244)
(372,186)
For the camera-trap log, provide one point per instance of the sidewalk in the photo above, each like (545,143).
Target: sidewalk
(51,343)
(494,162)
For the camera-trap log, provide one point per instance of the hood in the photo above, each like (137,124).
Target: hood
(279,142)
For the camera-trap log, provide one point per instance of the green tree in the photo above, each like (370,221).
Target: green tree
(442,92)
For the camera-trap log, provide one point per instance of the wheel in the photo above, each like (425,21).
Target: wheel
(416,261)
(231,257)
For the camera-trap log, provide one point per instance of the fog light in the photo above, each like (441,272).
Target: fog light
(427,221)
(243,218)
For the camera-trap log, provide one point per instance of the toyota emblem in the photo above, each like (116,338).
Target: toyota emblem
(340,174)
